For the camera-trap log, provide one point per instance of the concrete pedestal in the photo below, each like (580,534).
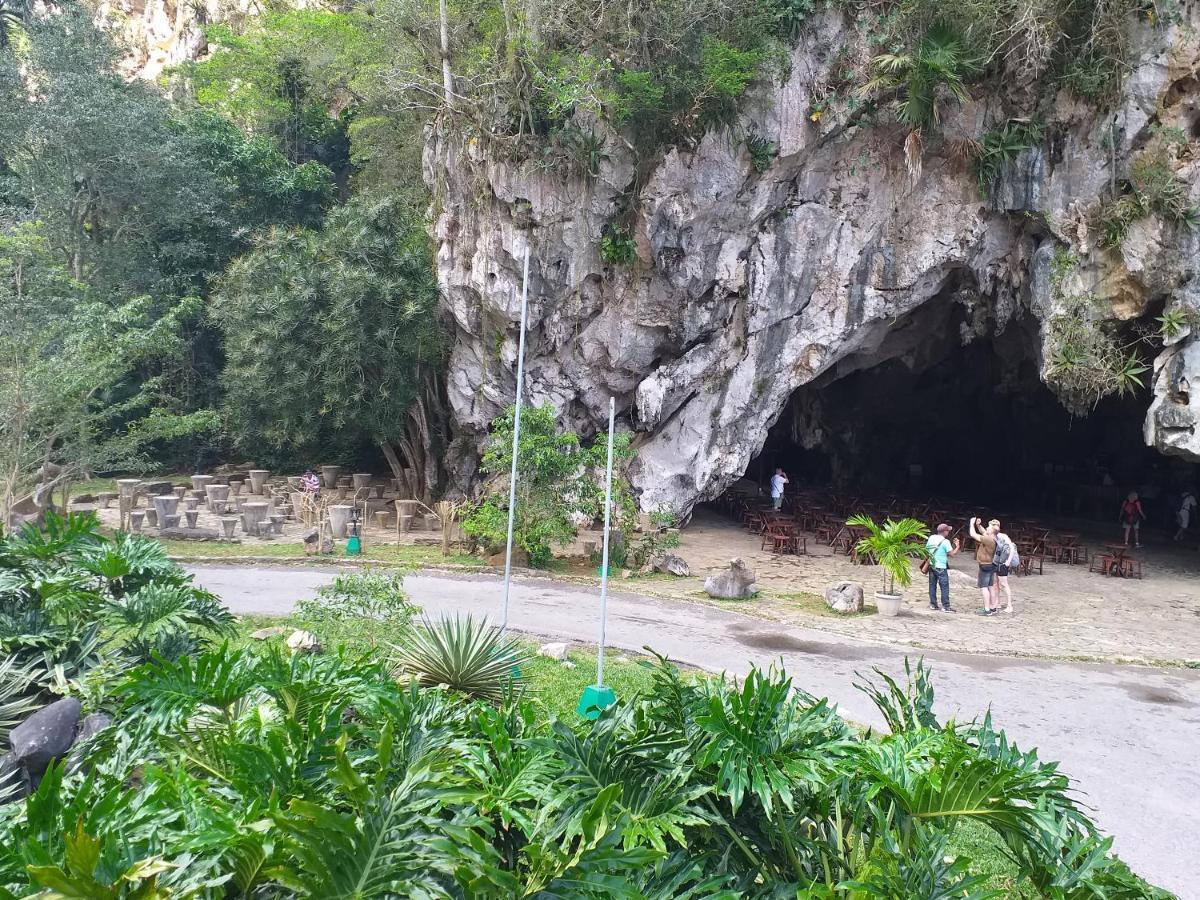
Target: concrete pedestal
(179,490)
(228,524)
(329,475)
(168,521)
(191,516)
(216,493)
(200,482)
(190,503)
(339,519)
(254,512)
(258,478)
(361,480)
(165,505)
(235,487)
(152,517)
(135,520)
(276,522)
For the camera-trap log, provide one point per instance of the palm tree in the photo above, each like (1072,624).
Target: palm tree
(891,546)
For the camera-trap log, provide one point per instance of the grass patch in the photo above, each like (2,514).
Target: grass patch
(410,556)
(815,605)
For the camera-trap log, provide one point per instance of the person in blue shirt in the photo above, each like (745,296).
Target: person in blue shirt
(940,550)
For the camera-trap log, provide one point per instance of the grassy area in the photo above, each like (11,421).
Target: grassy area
(401,555)
(815,605)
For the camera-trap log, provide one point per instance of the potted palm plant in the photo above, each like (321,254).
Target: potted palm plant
(891,546)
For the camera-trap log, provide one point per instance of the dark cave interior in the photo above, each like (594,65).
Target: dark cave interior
(970,422)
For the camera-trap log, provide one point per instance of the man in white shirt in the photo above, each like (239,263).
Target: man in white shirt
(778,480)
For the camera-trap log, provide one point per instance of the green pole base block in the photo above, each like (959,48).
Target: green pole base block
(596,698)
(353,546)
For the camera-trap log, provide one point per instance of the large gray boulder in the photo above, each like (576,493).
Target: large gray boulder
(735,584)
(845,597)
(45,736)
(14,781)
(91,726)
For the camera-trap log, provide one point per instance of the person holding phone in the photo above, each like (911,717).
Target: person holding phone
(940,550)
(985,556)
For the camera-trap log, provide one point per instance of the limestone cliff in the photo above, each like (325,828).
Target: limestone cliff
(748,284)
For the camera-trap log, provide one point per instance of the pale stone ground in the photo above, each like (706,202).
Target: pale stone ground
(1068,612)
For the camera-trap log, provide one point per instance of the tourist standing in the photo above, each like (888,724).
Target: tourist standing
(1132,515)
(1184,517)
(985,556)
(940,550)
(778,480)
(1006,559)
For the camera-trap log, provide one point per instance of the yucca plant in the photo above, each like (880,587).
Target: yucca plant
(463,654)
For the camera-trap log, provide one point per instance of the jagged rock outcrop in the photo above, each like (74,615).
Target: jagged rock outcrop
(748,285)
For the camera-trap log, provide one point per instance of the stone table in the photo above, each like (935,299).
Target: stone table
(339,519)
(258,477)
(254,512)
(165,505)
(361,480)
(200,482)
(329,475)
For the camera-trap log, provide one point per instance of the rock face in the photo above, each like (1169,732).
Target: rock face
(735,584)
(748,285)
(845,597)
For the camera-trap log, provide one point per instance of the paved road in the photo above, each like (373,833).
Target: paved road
(1130,736)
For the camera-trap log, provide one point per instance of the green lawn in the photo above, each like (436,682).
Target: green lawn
(409,556)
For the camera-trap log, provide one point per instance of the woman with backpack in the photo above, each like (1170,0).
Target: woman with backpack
(1132,515)
(1006,559)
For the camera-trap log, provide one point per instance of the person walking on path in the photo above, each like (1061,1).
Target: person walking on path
(940,550)
(1006,560)
(985,556)
(778,480)
(1187,506)
(1132,515)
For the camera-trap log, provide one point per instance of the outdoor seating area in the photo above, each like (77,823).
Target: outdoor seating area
(239,504)
(821,517)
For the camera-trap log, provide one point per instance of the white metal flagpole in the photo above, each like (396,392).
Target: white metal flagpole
(612,407)
(512,478)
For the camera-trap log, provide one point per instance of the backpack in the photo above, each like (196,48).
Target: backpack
(1005,548)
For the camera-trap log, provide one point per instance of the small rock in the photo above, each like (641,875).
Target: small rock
(626,574)
(303,642)
(46,735)
(673,564)
(845,597)
(735,584)
(567,664)
(556,651)
(311,537)
(520,559)
(265,634)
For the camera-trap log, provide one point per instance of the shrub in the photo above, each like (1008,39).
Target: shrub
(463,655)
(1152,187)
(617,247)
(1001,146)
(367,609)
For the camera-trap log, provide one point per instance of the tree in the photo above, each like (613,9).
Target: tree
(72,387)
(332,339)
(559,481)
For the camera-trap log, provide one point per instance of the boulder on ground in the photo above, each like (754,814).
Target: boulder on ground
(45,736)
(520,559)
(556,651)
(264,634)
(845,597)
(672,564)
(303,642)
(735,584)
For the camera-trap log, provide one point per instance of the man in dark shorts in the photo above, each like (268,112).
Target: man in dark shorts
(985,554)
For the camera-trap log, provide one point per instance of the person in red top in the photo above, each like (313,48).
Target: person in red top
(1132,515)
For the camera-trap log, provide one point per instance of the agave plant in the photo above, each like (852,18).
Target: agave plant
(463,654)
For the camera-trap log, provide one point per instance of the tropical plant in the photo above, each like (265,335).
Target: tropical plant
(892,547)
(940,63)
(617,247)
(1003,145)
(463,654)
(558,481)
(367,609)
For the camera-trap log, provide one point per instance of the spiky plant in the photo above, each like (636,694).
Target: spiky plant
(463,654)
(940,62)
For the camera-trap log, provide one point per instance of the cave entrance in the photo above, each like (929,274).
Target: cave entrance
(970,421)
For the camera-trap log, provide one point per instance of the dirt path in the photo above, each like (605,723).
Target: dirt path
(1128,735)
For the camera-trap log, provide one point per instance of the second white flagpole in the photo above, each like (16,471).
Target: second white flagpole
(516,444)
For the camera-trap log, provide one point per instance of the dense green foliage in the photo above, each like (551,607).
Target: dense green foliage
(329,334)
(239,771)
(559,482)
